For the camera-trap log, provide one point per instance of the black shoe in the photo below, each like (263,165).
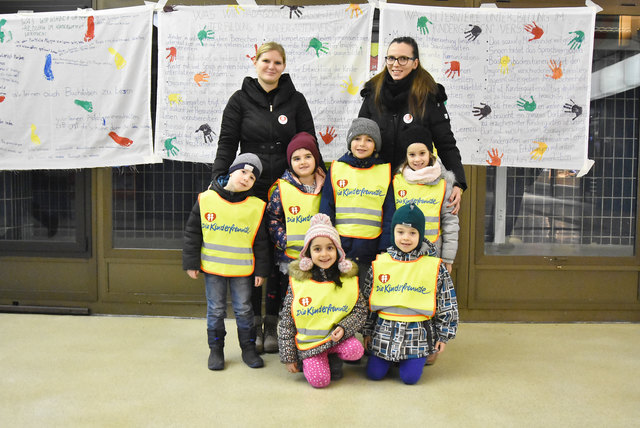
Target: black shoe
(247,339)
(335,367)
(216,359)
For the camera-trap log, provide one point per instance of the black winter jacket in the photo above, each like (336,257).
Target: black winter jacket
(392,125)
(262,123)
(192,243)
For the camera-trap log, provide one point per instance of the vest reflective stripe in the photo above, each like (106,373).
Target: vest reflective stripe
(298,208)
(235,224)
(359,194)
(404,290)
(318,307)
(429,198)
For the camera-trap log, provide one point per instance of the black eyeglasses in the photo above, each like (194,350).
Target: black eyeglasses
(403,60)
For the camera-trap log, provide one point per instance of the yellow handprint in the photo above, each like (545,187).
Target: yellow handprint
(538,152)
(355,9)
(119,60)
(504,64)
(349,86)
(34,138)
(237,8)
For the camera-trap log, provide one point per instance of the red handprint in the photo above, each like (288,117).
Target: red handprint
(123,141)
(453,69)
(2,98)
(329,135)
(253,58)
(90,34)
(172,53)
(495,159)
(536,31)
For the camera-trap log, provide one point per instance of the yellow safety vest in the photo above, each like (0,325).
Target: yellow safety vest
(404,290)
(428,198)
(298,208)
(318,307)
(359,196)
(228,232)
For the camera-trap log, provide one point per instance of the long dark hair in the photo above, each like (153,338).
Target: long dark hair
(423,83)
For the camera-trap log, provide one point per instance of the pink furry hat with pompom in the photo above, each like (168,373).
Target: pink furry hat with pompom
(320,225)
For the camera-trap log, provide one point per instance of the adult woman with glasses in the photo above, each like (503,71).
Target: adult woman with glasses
(404,95)
(261,118)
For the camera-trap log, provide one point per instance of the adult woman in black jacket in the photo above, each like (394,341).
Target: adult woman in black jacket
(404,95)
(262,117)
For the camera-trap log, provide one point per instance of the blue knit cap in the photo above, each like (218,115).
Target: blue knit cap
(408,215)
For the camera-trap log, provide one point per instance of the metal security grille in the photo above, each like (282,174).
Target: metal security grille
(569,215)
(151,203)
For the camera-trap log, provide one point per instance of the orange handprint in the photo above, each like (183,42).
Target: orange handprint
(329,135)
(556,69)
(495,159)
(355,9)
(453,69)
(123,141)
(91,27)
(536,31)
(201,77)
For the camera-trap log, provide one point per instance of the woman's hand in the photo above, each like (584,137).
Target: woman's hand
(292,367)
(449,267)
(337,334)
(455,199)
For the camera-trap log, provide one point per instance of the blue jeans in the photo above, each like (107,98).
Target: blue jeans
(216,291)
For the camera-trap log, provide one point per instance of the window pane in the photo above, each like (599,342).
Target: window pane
(151,203)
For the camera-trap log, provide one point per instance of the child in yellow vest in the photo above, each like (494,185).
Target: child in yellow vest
(323,308)
(357,195)
(423,180)
(407,288)
(293,200)
(226,238)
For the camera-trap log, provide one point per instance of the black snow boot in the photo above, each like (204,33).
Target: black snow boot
(216,345)
(247,339)
(335,367)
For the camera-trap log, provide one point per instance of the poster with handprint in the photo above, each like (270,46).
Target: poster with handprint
(76,89)
(518,80)
(207,51)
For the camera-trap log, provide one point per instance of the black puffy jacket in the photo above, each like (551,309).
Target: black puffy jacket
(262,123)
(392,125)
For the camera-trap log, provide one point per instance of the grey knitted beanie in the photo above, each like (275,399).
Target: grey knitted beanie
(364,126)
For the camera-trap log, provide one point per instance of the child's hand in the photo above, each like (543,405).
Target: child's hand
(455,199)
(440,346)
(366,342)
(337,334)
(449,267)
(292,367)
(193,273)
(259,280)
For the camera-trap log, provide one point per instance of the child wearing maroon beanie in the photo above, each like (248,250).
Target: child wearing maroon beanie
(293,200)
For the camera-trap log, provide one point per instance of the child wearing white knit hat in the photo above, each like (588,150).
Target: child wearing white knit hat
(323,308)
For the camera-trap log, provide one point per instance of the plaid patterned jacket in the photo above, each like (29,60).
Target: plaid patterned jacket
(399,340)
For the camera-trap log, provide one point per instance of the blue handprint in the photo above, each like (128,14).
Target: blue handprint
(47,68)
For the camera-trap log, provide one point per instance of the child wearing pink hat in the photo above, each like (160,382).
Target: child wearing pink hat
(323,308)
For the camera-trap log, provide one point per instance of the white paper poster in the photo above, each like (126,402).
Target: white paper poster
(75,89)
(205,52)
(518,80)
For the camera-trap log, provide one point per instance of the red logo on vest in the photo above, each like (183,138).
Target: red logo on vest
(210,216)
(342,183)
(384,277)
(294,209)
(402,193)
(305,301)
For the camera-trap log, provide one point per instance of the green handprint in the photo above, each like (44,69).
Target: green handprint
(87,105)
(205,34)
(318,46)
(2,22)
(526,105)
(422,24)
(170,148)
(576,42)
